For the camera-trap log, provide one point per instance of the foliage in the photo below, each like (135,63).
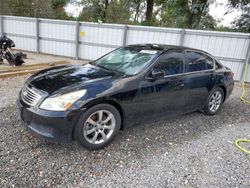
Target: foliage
(187,14)
(175,13)
(39,8)
(239,3)
(118,12)
(92,11)
(242,23)
(192,14)
(58,9)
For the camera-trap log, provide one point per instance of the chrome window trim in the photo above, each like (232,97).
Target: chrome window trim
(187,73)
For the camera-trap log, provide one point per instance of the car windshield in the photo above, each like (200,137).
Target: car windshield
(127,60)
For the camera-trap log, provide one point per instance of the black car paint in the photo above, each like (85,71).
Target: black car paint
(138,97)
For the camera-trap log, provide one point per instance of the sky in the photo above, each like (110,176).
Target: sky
(217,10)
(73,9)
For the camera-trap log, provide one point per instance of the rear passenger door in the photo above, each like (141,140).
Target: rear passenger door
(199,68)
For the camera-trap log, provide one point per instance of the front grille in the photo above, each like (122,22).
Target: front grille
(29,96)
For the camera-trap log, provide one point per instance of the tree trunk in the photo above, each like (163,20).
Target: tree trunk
(195,17)
(137,9)
(106,3)
(200,14)
(149,11)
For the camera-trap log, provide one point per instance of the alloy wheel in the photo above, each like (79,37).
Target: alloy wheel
(99,127)
(215,101)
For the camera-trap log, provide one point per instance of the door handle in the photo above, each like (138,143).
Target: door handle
(179,84)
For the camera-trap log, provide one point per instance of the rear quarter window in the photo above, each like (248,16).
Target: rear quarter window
(217,65)
(196,61)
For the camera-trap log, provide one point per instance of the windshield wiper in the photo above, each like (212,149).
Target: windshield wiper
(111,70)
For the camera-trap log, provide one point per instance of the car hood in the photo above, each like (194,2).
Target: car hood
(68,77)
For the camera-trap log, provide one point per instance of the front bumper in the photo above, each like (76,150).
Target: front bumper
(52,126)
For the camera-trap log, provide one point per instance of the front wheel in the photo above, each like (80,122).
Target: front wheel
(98,126)
(214,101)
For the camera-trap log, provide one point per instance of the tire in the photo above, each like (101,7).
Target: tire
(214,101)
(94,133)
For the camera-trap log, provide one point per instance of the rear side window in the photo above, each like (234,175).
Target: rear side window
(171,63)
(196,61)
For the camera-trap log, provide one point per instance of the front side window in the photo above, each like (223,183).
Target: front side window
(196,61)
(127,60)
(171,63)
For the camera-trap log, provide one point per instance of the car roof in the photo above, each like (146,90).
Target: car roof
(163,47)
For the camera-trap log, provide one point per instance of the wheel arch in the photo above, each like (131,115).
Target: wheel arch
(110,101)
(224,90)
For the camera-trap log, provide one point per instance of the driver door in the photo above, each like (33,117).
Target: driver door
(166,95)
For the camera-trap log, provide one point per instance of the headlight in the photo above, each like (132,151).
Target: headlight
(62,102)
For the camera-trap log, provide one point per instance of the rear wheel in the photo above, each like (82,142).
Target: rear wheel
(214,101)
(98,126)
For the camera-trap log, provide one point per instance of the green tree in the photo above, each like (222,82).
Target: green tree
(187,14)
(4,7)
(118,12)
(137,6)
(39,8)
(93,11)
(149,11)
(242,23)
(58,9)
(192,14)
(175,13)
(115,11)
(198,9)
(238,3)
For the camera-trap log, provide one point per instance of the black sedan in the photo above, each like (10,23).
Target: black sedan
(90,103)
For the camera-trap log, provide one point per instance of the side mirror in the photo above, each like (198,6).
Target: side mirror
(157,74)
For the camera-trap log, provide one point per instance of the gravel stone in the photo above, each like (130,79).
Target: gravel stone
(192,150)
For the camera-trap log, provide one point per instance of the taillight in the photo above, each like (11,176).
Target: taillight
(229,74)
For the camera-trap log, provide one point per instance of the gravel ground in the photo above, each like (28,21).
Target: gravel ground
(192,150)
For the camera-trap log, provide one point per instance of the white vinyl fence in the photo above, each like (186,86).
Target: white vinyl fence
(91,40)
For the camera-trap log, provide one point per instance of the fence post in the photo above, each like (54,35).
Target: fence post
(77,40)
(37,36)
(125,31)
(247,61)
(1,26)
(182,38)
